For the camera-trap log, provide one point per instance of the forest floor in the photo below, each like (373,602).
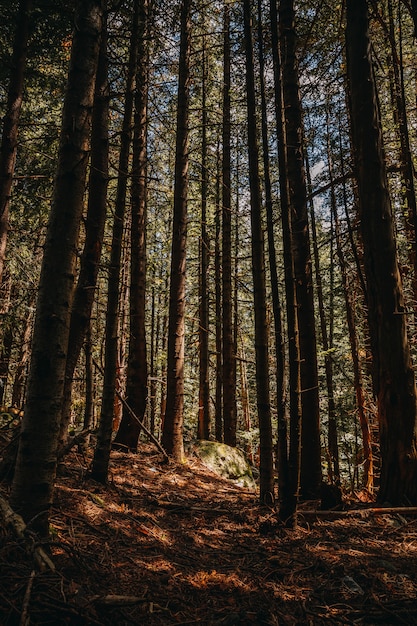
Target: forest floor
(166,544)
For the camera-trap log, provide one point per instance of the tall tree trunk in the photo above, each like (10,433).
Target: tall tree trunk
(218,306)
(20,378)
(36,461)
(276,300)
(100,466)
(89,381)
(155,325)
(172,439)
(368,467)
(204,386)
(310,478)
(5,356)
(229,361)
(8,147)
(266,483)
(414,15)
(94,231)
(406,159)
(164,344)
(393,375)
(137,370)
(288,452)
(334,469)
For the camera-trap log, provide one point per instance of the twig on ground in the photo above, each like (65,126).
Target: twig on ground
(25,618)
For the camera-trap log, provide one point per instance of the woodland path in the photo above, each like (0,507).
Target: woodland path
(166,544)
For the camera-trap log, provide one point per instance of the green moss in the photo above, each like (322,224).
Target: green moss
(226,461)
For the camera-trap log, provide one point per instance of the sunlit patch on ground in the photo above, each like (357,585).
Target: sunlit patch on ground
(166,544)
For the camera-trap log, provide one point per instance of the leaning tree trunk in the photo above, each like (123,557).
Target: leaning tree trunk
(172,439)
(393,374)
(100,466)
(137,369)
(37,457)
(8,147)
(266,484)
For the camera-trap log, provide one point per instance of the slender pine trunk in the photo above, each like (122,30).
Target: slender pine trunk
(100,466)
(266,483)
(137,368)
(172,437)
(8,146)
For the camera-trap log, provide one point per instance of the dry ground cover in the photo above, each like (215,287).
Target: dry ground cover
(165,544)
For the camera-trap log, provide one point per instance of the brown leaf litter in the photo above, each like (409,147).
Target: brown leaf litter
(170,544)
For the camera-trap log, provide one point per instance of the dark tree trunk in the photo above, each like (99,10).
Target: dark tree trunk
(100,466)
(258,274)
(414,15)
(172,439)
(155,325)
(406,158)
(137,370)
(393,375)
(334,469)
(310,478)
(8,147)
(368,466)
(36,462)
(5,355)
(288,454)
(229,360)
(89,382)
(204,386)
(218,305)
(276,301)
(94,232)
(20,379)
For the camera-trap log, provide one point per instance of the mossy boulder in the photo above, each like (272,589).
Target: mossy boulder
(225,461)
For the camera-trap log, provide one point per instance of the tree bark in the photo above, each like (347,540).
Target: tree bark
(20,379)
(172,439)
(94,231)
(258,274)
(36,462)
(229,361)
(100,466)
(8,147)
(204,383)
(393,375)
(218,306)
(334,469)
(137,369)
(288,452)
(310,477)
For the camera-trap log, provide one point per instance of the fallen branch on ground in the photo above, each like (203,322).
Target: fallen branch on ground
(399,510)
(17,524)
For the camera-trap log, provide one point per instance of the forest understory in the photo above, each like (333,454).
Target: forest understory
(164,544)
